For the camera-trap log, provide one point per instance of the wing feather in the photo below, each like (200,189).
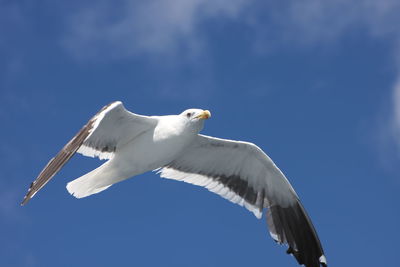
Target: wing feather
(242,173)
(112,127)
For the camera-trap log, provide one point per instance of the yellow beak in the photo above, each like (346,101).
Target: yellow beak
(204,115)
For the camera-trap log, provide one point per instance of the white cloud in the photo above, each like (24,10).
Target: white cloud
(154,28)
(174,27)
(311,22)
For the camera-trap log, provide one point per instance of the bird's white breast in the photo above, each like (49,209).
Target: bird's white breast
(155,148)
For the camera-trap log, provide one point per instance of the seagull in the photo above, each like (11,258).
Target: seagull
(171,145)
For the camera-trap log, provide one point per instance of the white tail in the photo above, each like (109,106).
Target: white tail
(94,182)
(83,187)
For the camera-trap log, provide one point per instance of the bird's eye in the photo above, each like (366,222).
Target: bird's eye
(188,114)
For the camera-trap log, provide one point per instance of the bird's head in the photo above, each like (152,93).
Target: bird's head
(195,117)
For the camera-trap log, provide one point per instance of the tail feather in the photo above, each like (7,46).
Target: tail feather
(83,187)
(93,182)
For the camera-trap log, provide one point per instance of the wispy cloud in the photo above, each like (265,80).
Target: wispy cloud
(154,28)
(167,27)
(318,22)
(396,112)
(312,23)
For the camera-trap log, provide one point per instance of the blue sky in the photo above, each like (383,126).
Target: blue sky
(316,84)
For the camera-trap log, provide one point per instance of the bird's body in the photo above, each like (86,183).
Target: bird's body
(151,149)
(238,171)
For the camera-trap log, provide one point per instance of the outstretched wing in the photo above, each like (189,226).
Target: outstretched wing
(112,127)
(242,173)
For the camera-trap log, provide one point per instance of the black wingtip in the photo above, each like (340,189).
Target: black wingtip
(291,225)
(296,254)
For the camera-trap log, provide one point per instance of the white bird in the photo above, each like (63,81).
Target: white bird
(238,171)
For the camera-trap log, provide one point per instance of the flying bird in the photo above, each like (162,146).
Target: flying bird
(238,171)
